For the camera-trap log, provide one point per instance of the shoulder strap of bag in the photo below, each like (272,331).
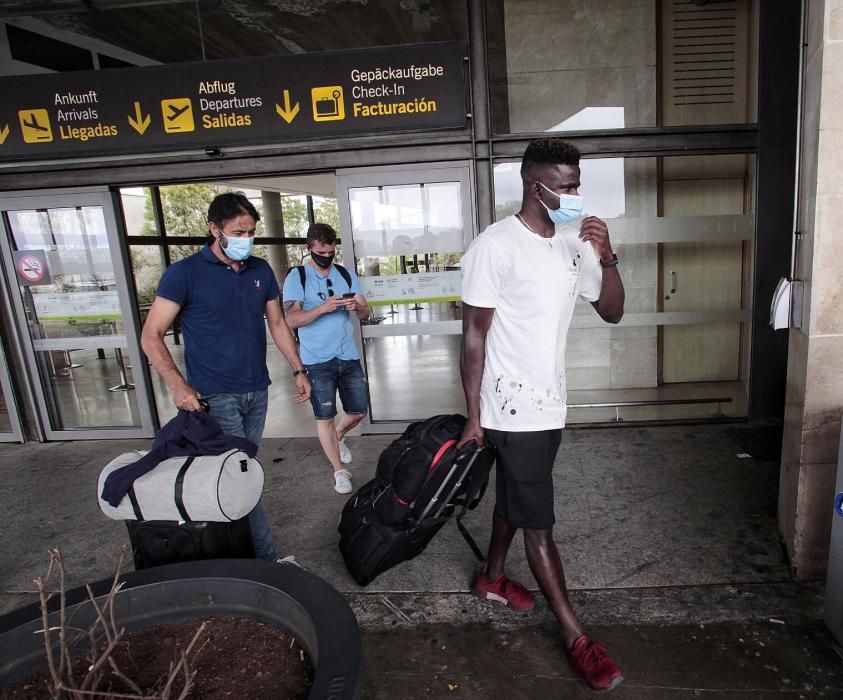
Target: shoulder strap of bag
(178,492)
(301,272)
(133,499)
(343,273)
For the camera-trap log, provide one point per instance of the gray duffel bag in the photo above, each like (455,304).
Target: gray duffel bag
(216,488)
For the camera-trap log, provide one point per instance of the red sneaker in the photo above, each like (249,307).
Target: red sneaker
(597,668)
(504,591)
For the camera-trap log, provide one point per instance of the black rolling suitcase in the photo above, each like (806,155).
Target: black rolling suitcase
(157,542)
(368,546)
(421,481)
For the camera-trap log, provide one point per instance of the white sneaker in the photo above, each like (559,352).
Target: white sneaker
(345,453)
(342,481)
(288,560)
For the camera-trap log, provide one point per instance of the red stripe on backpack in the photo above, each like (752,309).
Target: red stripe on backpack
(448,444)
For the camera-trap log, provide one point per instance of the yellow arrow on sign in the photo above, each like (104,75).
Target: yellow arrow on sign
(4,132)
(287,113)
(140,123)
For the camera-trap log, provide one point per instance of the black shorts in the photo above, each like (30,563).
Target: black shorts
(524,481)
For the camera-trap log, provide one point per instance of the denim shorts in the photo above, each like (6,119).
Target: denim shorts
(326,378)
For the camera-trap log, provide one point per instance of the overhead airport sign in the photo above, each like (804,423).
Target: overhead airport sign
(252,101)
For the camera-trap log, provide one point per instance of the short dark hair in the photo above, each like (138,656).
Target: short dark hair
(322,233)
(548,151)
(229,205)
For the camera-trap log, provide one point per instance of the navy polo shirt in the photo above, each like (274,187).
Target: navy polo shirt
(222,319)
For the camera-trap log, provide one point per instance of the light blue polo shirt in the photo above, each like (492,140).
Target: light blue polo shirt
(222,319)
(331,335)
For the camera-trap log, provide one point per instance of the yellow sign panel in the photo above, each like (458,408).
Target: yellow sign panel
(178,115)
(328,105)
(35,125)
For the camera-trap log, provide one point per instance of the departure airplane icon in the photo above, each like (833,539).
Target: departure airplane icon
(176,112)
(34,124)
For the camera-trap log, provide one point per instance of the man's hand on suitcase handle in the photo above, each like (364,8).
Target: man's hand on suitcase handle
(473,431)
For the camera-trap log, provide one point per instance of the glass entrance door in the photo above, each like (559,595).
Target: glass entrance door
(409,226)
(10,426)
(63,257)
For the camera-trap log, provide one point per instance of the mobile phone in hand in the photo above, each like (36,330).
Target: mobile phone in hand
(349,295)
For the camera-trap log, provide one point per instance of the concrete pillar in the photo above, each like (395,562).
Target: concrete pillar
(814,399)
(273,225)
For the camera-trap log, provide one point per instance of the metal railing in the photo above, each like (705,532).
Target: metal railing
(617,405)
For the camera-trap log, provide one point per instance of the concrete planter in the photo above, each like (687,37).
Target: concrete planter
(301,604)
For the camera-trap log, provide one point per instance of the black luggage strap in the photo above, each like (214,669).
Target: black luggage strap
(179,488)
(467,536)
(133,499)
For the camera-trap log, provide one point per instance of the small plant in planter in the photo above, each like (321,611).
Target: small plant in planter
(73,675)
(283,598)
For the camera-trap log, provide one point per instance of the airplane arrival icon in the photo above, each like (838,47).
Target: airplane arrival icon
(35,125)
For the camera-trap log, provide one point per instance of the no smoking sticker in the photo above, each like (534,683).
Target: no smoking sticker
(31,266)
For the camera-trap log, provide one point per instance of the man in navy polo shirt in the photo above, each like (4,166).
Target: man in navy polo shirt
(221,296)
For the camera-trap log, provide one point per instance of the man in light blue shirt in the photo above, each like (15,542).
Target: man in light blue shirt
(318,299)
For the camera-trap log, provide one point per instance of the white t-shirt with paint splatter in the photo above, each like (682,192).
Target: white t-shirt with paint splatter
(532,283)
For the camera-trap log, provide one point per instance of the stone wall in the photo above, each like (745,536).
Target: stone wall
(815,356)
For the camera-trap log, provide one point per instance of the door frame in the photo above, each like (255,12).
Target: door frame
(16,433)
(407,174)
(108,200)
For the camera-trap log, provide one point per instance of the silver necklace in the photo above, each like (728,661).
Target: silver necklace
(530,228)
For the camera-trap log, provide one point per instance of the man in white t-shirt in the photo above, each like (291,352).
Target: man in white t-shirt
(521,279)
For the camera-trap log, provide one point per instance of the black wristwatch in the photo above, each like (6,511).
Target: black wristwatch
(297,372)
(611,263)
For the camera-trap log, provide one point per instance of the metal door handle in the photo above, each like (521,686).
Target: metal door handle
(672,282)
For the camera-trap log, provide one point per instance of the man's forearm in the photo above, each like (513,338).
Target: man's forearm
(286,344)
(472,359)
(612,296)
(363,311)
(297,319)
(162,361)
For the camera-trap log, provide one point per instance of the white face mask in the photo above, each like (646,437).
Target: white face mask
(570,207)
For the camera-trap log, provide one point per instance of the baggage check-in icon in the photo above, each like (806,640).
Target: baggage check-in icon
(328,104)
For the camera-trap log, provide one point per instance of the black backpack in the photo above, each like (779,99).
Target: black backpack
(421,480)
(411,461)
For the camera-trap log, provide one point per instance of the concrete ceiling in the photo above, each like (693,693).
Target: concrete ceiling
(174,31)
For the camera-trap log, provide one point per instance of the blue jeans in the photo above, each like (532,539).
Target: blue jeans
(326,378)
(244,415)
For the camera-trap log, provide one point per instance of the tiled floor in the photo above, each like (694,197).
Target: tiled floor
(636,507)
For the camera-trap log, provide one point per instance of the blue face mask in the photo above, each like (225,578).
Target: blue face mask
(238,248)
(570,207)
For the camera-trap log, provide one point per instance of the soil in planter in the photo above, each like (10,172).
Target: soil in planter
(236,658)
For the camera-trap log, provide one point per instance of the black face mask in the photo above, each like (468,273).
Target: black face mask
(323,261)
